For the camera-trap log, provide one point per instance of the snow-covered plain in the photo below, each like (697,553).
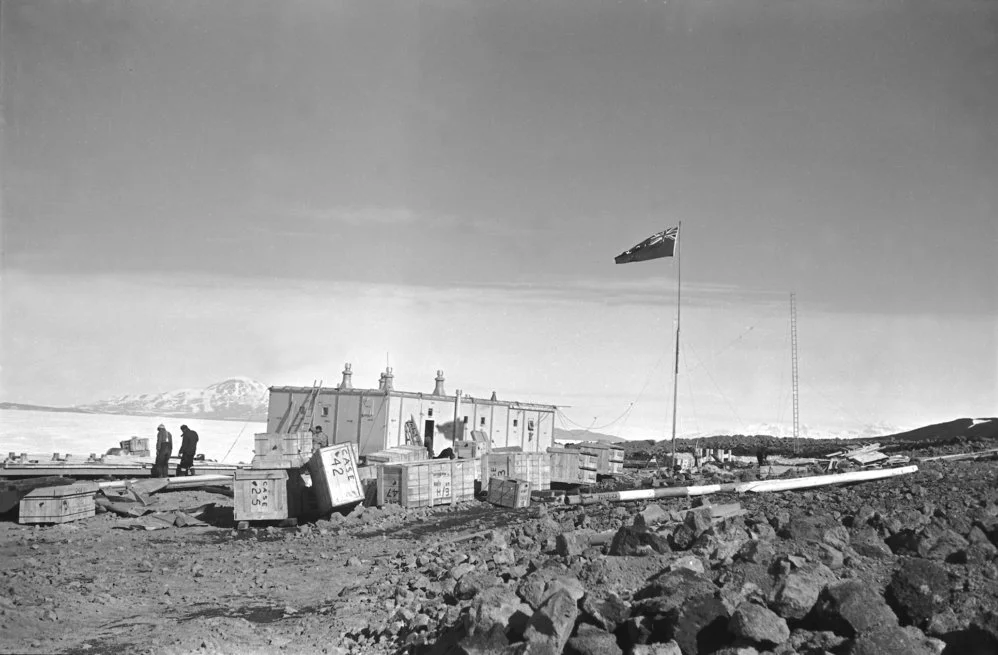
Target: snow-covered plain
(82,434)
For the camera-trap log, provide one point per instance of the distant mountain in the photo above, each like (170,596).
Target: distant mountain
(584,435)
(237,398)
(979,428)
(42,408)
(783,430)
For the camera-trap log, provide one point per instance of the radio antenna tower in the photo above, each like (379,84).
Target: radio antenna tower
(794,371)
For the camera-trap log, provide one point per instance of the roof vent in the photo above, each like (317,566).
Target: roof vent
(347,382)
(438,389)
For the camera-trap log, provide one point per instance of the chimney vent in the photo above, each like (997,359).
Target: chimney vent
(347,382)
(438,390)
(387,377)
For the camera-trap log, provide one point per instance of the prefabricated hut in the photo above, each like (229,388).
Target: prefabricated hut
(375,419)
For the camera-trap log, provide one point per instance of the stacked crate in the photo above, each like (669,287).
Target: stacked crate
(335,479)
(534,468)
(569,466)
(609,458)
(426,484)
(398,454)
(473,448)
(507,492)
(281,450)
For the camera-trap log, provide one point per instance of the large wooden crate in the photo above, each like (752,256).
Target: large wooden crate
(534,468)
(63,504)
(609,458)
(569,466)
(281,450)
(506,492)
(266,494)
(398,454)
(334,476)
(426,484)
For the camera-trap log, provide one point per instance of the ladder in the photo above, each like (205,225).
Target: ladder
(412,437)
(303,419)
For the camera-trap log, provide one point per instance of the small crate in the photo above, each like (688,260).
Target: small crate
(274,450)
(266,494)
(473,448)
(426,484)
(609,458)
(534,468)
(334,476)
(570,466)
(507,492)
(63,504)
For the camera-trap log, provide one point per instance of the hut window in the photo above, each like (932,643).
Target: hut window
(325,411)
(466,420)
(515,422)
(482,422)
(429,412)
(530,425)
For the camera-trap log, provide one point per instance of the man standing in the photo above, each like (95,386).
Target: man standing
(164,448)
(188,448)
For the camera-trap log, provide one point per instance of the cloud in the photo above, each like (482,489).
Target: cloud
(362,215)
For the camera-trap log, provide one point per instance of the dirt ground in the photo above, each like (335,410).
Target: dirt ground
(394,581)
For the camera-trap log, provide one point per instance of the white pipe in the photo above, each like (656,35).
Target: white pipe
(822,480)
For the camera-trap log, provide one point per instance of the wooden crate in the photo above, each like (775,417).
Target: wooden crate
(473,448)
(63,504)
(507,492)
(281,450)
(398,454)
(334,476)
(609,458)
(266,494)
(534,468)
(426,484)
(569,466)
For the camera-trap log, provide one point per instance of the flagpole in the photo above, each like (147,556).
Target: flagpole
(675,377)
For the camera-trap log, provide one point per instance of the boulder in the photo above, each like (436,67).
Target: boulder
(867,542)
(917,591)
(654,514)
(852,607)
(759,625)
(798,591)
(668,648)
(699,625)
(590,640)
(635,540)
(550,627)
(608,612)
(891,640)
(670,590)
(498,606)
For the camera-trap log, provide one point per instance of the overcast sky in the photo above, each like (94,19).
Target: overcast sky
(194,190)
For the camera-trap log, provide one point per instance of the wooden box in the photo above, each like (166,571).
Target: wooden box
(609,458)
(266,494)
(570,466)
(534,468)
(426,484)
(398,454)
(334,476)
(473,448)
(62,504)
(281,450)
(506,492)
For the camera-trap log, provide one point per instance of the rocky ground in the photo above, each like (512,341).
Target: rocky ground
(906,566)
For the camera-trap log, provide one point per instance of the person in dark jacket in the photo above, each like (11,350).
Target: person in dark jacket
(164,448)
(188,448)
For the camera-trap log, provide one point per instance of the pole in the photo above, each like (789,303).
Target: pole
(675,377)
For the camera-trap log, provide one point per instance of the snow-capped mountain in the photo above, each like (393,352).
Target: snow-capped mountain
(782,430)
(236,398)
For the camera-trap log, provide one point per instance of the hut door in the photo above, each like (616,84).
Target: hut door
(428,436)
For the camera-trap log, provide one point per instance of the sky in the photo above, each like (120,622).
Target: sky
(193,190)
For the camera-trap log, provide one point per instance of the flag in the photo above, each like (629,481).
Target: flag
(658,245)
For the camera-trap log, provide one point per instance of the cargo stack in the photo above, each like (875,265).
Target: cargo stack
(609,458)
(426,484)
(569,466)
(534,468)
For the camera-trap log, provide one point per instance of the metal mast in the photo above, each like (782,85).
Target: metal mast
(794,372)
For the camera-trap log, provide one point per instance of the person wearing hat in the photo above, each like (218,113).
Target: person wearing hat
(188,447)
(164,448)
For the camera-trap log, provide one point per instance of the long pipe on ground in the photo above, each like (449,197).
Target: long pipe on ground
(739,487)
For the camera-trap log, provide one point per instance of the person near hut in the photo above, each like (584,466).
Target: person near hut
(164,448)
(319,439)
(188,448)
